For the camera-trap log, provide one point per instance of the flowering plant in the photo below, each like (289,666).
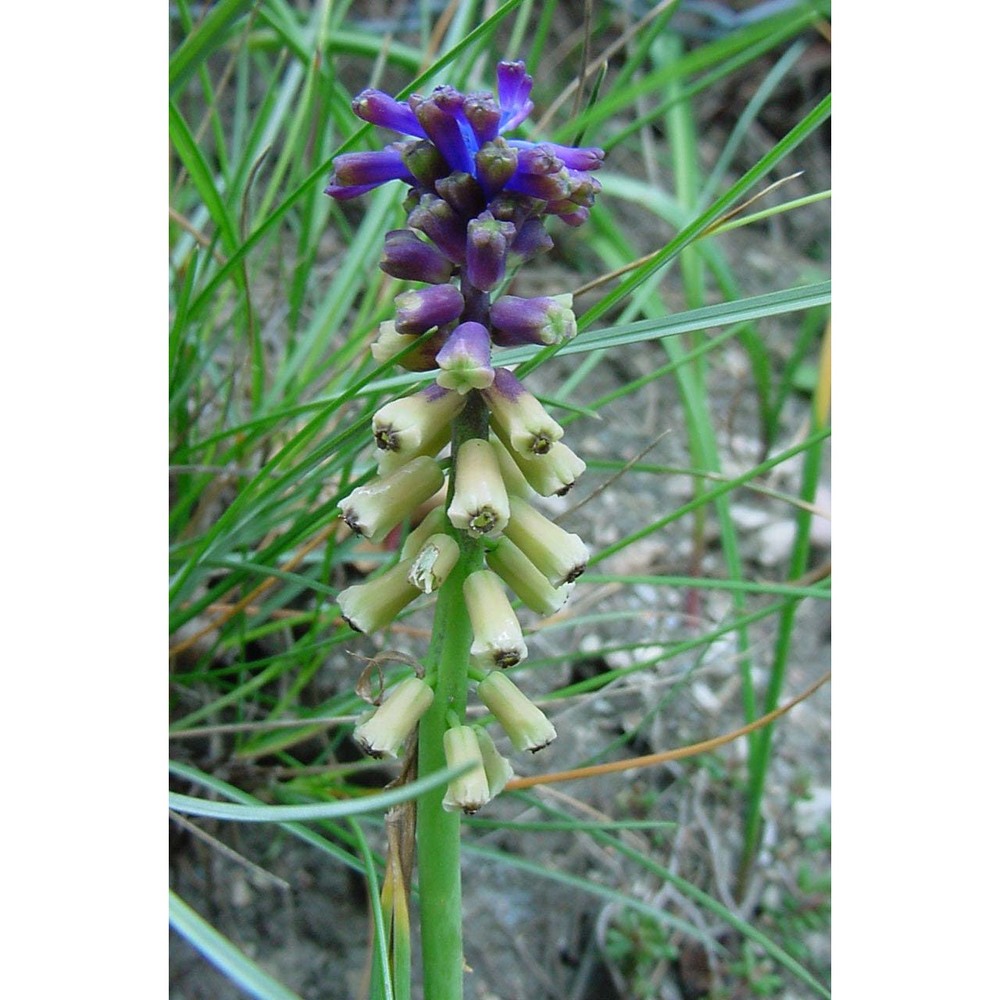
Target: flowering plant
(476,202)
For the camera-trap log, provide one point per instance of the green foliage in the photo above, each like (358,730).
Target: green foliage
(275,296)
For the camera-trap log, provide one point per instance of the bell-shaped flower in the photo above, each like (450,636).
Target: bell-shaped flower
(558,554)
(497,767)
(382,732)
(470,791)
(432,564)
(464,360)
(479,505)
(551,474)
(525,579)
(370,606)
(542,320)
(519,419)
(409,425)
(523,721)
(497,638)
(406,256)
(374,509)
(419,309)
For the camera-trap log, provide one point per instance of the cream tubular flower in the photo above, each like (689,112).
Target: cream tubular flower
(525,579)
(497,767)
(497,639)
(469,791)
(372,605)
(374,509)
(383,732)
(479,505)
(432,564)
(522,720)
(559,555)
(551,474)
(520,420)
(409,426)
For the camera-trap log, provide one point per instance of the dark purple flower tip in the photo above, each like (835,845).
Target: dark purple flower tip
(434,217)
(419,310)
(443,118)
(542,320)
(574,157)
(546,187)
(574,218)
(532,239)
(496,163)
(486,252)
(513,88)
(462,193)
(465,359)
(380,109)
(356,173)
(483,115)
(406,256)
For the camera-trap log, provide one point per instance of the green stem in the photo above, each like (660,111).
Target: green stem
(438,861)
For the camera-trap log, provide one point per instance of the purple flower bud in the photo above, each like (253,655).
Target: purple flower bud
(483,115)
(405,255)
(519,419)
(421,308)
(443,119)
(574,157)
(576,217)
(486,253)
(532,239)
(462,193)
(380,109)
(465,359)
(496,163)
(546,187)
(434,217)
(356,173)
(513,88)
(425,162)
(540,320)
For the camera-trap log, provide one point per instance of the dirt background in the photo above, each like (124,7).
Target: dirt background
(305,919)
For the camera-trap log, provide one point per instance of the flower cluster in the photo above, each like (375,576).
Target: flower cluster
(476,207)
